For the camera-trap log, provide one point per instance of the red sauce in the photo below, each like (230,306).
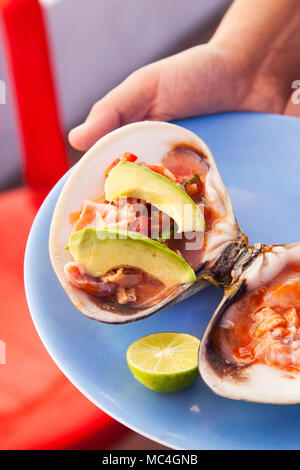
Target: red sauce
(264,326)
(119,286)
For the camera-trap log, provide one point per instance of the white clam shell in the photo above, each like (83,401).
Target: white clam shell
(262,383)
(150,141)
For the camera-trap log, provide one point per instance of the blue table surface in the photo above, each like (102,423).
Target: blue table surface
(258,156)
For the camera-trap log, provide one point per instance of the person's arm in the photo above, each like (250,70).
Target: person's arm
(265,38)
(249,64)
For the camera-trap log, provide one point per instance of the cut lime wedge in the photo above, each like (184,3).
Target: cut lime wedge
(164,362)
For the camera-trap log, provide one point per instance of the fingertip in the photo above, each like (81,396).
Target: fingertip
(77,137)
(84,136)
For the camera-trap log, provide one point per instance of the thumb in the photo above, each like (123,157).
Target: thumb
(129,102)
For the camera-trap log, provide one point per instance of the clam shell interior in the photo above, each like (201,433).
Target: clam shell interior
(258,382)
(150,141)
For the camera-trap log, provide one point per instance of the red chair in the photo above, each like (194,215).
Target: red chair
(39,407)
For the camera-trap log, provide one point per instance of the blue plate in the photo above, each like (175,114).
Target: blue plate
(259,159)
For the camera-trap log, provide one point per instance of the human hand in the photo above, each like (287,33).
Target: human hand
(244,67)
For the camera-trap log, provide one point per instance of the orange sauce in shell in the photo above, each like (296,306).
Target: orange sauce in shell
(264,326)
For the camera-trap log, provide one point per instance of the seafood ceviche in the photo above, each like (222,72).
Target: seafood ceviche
(251,349)
(126,212)
(143,221)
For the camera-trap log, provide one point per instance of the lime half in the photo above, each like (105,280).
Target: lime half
(164,362)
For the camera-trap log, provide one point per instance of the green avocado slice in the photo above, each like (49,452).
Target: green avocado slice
(133,180)
(99,251)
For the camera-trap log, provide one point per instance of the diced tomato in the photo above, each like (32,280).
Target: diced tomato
(157,168)
(127,156)
(193,186)
(161,170)
(169,175)
(192,189)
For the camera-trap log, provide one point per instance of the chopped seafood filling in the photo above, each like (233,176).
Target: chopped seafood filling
(184,167)
(264,327)
(126,284)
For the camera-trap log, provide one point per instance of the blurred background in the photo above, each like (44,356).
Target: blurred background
(57,57)
(93,46)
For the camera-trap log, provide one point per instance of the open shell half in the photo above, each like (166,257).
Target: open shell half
(151,141)
(268,372)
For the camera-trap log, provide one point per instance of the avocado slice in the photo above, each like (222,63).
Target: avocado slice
(99,251)
(133,180)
